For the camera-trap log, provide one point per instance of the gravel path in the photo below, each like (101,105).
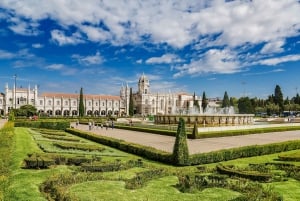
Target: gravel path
(166,143)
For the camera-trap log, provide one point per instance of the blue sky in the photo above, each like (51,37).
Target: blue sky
(242,47)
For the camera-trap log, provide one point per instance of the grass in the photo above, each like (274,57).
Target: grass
(161,189)
(24,183)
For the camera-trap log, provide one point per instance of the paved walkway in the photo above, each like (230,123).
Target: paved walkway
(166,143)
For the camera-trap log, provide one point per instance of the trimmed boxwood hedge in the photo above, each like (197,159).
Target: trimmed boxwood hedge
(243,152)
(195,159)
(255,176)
(55,125)
(210,134)
(147,152)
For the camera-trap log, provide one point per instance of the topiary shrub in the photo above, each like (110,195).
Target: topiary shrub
(195,131)
(180,150)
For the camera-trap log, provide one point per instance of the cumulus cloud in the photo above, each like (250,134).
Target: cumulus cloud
(166,58)
(176,23)
(273,47)
(89,60)
(217,28)
(213,61)
(61,39)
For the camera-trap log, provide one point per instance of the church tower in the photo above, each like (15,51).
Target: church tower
(144,85)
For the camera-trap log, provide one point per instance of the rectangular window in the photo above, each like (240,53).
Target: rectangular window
(57,102)
(66,102)
(74,103)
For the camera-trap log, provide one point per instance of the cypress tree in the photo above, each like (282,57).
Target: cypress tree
(180,150)
(131,103)
(204,101)
(81,106)
(225,102)
(278,97)
(195,131)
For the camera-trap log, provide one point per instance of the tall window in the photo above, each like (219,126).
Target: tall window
(57,102)
(49,102)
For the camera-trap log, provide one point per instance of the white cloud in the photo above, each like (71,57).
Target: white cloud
(89,60)
(140,61)
(177,23)
(60,38)
(37,45)
(63,69)
(6,55)
(213,61)
(278,60)
(55,67)
(273,47)
(166,58)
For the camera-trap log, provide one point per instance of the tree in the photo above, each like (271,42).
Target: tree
(204,101)
(278,98)
(180,150)
(26,110)
(225,102)
(196,102)
(81,106)
(245,106)
(131,109)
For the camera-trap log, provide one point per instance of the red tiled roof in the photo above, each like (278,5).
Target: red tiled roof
(85,96)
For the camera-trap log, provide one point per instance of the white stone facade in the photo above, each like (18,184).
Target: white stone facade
(60,104)
(149,103)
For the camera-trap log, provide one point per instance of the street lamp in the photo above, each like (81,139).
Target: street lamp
(15,94)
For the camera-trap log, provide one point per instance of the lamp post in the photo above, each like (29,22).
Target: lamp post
(15,94)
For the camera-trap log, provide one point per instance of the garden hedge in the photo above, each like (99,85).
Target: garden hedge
(147,152)
(55,125)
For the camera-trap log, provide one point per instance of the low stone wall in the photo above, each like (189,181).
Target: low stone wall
(209,120)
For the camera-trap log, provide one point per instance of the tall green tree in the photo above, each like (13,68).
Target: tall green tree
(196,102)
(278,98)
(204,103)
(225,102)
(131,105)
(81,105)
(245,106)
(180,150)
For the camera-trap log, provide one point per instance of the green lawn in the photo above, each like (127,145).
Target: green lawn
(161,189)
(24,183)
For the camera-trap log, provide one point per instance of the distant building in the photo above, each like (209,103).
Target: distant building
(59,104)
(151,103)
(65,104)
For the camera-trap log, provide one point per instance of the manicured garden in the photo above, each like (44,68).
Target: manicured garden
(42,164)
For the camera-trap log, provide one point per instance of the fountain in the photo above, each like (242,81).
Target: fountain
(212,116)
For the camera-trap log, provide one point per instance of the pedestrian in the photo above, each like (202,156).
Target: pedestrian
(101,125)
(112,124)
(90,125)
(107,125)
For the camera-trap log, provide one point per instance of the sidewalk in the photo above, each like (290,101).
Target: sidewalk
(166,143)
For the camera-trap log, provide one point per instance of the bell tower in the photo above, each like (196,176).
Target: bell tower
(144,85)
